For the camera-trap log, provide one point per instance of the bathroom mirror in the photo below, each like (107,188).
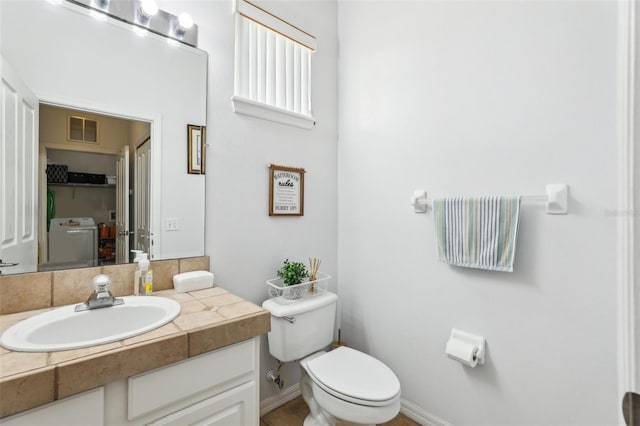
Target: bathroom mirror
(69,57)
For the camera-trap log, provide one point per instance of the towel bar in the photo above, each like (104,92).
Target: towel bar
(556,199)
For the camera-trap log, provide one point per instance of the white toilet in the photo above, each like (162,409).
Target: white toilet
(341,387)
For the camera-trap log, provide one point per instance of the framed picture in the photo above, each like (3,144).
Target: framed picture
(286,191)
(203,152)
(196,148)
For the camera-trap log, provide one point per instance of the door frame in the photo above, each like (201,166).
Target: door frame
(123,195)
(627,236)
(117,111)
(144,141)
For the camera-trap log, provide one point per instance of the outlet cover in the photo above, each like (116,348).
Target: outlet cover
(172,224)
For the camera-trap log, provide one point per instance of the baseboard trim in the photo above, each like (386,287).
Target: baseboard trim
(421,416)
(267,405)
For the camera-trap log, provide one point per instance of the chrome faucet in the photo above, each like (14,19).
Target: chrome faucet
(101,296)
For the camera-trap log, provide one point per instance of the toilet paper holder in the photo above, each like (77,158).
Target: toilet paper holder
(473,347)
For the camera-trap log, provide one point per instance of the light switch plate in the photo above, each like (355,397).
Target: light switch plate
(172,224)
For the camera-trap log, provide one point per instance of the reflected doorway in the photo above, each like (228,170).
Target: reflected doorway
(83,174)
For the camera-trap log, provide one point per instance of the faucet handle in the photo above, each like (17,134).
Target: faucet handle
(101,283)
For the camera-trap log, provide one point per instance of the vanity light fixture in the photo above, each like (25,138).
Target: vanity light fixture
(182,24)
(148,8)
(185,21)
(102,5)
(146,17)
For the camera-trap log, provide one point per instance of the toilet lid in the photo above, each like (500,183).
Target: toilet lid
(348,373)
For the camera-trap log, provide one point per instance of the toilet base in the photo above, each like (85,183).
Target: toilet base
(317,415)
(311,421)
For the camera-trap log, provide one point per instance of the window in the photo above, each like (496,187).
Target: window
(272,68)
(82,129)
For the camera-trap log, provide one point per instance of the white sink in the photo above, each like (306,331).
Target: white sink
(62,328)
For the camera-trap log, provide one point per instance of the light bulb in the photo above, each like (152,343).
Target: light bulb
(148,8)
(185,21)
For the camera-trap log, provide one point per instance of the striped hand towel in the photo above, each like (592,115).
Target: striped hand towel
(477,232)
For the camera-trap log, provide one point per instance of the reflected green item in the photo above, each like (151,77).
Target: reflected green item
(51,206)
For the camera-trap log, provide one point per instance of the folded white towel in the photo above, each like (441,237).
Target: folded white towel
(477,232)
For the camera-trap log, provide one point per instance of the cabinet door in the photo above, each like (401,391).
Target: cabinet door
(160,388)
(234,407)
(85,409)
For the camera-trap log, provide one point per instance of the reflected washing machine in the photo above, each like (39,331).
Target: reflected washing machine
(73,242)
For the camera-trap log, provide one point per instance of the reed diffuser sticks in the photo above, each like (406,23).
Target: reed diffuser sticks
(314,267)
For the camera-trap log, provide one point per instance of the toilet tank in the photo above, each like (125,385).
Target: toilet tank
(301,327)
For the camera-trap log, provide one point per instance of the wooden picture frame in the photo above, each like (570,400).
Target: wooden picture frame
(286,191)
(203,141)
(196,149)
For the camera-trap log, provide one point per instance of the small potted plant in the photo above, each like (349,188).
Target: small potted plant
(292,273)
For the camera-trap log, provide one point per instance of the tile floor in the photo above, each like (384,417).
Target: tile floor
(294,412)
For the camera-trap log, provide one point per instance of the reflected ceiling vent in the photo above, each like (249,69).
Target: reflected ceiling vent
(145,14)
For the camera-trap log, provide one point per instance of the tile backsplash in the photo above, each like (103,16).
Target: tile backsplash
(39,290)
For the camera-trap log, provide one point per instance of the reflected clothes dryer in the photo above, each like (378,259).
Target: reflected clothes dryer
(73,242)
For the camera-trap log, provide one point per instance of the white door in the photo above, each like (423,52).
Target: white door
(142,191)
(18,175)
(122,206)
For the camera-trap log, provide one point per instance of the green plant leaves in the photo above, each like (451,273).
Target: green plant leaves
(292,272)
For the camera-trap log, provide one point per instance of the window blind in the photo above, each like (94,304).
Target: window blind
(272,67)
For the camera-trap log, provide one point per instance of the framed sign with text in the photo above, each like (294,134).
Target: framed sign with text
(286,191)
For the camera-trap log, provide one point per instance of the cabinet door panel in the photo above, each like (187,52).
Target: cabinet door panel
(157,389)
(231,408)
(85,409)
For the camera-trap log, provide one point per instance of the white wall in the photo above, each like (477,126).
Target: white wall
(245,244)
(475,98)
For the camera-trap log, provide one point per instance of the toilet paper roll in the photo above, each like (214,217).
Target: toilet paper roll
(461,351)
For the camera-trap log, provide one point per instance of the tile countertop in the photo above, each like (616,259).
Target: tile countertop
(209,319)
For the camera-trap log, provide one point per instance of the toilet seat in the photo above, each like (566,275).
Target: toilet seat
(355,377)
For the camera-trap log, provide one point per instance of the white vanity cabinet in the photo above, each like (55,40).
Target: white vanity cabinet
(217,387)
(233,407)
(84,409)
(220,387)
